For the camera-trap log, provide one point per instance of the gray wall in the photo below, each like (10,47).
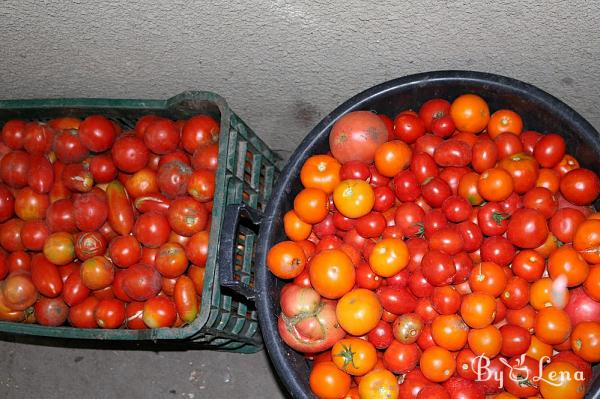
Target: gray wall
(284,64)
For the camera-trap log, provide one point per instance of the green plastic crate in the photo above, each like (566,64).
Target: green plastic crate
(245,176)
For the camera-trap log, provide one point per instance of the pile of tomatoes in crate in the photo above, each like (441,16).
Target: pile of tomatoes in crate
(445,254)
(103,227)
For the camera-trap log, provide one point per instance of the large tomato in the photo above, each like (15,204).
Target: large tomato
(307,323)
(354,198)
(161,136)
(129,153)
(527,228)
(580,186)
(356,136)
(561,380)
(199,130)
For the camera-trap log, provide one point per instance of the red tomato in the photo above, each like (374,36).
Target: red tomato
(90,211)
(199,130)
(103,169)
(13,133)
(82,315)
(401,358)
(89,244)
(97,133)
(30,205)
(453,152)
(580,186)
(45,276)
(33,235)
(74,291)
(69,148)
(41,175)
(432,110)
(185,297)
(141,282)
(201,185)
(38,138)
(51,312)
(161,136)
(187,216)
(134,315)
(549,150)
(110,313)
(206,157)
(159,312)
(152,229)
(173,178)
(527,228)
(125,251)
(408,128)
(14,168)
(60,216)
(129,153)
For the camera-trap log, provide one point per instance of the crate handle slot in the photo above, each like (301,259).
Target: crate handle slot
(227,247)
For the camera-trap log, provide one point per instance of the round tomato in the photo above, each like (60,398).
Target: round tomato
(159,312)
(286,260)
(392,157)
(486,341)
(359,311)
(478,309)
(401,358)
(566,261)
(152,229)
(552,325)
(389,256)
(379,384)
(328,381)
(470,113)
(585,341)
(110,313)
(580,186)
(199,130)
(437,364)
(527,228)
(549,150)
(353,198)
(504,121)
(561,380)
(356,135)
(97,133)
(321,172)
(355,356)
(515,340)
(161,136)
(495,184)
(450,332)
(311,205)
(51,312)
(488,278)
(332,273)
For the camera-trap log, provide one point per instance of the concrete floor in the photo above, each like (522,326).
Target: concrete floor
(34,367)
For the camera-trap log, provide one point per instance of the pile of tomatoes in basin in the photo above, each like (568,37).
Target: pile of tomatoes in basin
(103,227)
(448,253)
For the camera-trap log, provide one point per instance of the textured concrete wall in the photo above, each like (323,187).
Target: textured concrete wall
(283,64)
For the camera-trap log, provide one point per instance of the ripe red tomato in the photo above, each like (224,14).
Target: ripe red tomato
(125,251)
(435,192)
(152,229)
(549,150)
(173,178)
(159,312)
(453,152)
(38,138)
(83,315)
(13,133)
(141,282)
(60,216)
(408,127)
(432,110)
(527,228)
(97,273)
(171,261)
(97,133)
(51,312)
(199,130)
(187,216)
(580,186)
(69,148)
(161,136)
(129,153)
(110,313)
(14,168)
(45,276)
(401,358)
(103,169)
(90,211)
(515,340)
(201,185)
(33,235)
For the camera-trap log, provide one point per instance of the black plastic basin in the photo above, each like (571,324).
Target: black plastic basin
(540,111)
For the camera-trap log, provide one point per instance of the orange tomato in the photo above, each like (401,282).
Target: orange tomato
(389,256)
(552,325)
(467,188)
(565,260)
(354,198)
(359,311)
(328,381)
(332,273)
(505,395)
(311,205)
(478,309)
(548,246)
(485,341)
(523,169)
(587,240)
(294,227)
(495,184)
(591,285)
(355,356)
(504,121)
(585,341)
(470,113)
(437,364)
(392,157)
(538,349)
(449,331)
(379,384)
(549,179)
(322,172)
(489,278)
(559,382)
(286,259)
(541,294)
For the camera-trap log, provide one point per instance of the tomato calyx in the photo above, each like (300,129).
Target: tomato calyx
(348,356)
(499,217)
(421,232)
(523,381)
